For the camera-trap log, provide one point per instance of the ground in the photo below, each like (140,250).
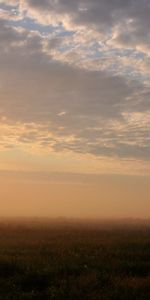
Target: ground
(70,260)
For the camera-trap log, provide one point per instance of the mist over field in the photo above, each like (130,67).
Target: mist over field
(78,197)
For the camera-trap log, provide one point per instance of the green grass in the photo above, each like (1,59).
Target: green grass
(69,261)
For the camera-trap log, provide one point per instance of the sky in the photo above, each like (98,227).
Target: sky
(75,108)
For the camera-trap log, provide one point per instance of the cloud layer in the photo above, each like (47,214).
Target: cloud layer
(74,77)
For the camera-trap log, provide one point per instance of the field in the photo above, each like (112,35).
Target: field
(70,260)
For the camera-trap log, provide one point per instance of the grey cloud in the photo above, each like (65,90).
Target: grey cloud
(42,83)
(130,142)
(8,35)
(104,15)
(95,11)
(35,88)
(131,17)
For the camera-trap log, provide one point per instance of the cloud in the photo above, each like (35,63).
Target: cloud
(126,23)
(80,85)
(127,20)
(39,78)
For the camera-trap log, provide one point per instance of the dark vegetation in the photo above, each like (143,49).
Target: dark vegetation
(71,261)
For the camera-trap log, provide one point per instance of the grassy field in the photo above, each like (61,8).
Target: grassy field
(74,260)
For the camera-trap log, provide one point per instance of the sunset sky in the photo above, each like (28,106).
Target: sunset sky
(75,108)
